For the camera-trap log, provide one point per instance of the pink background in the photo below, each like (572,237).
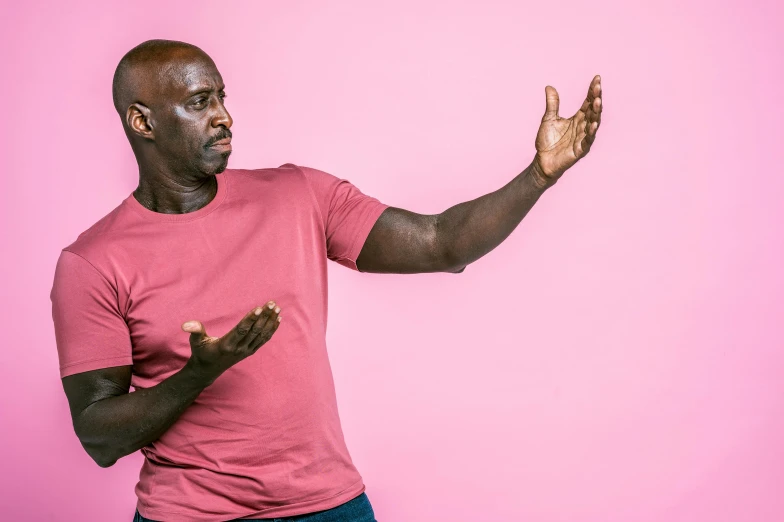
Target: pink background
(618,358)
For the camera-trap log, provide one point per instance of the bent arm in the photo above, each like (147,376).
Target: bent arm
(111,422)
(468,231)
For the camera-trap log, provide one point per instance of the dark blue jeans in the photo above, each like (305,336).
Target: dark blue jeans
(357,509)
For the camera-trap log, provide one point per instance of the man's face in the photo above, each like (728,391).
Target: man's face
(189,115)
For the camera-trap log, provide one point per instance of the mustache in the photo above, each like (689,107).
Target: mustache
(226,133)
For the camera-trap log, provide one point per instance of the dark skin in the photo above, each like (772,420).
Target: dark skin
(173,116)
(172,107)
(403,242)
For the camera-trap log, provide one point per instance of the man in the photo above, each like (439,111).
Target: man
(229,430)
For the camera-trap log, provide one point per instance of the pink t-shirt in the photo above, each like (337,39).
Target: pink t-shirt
(264,440)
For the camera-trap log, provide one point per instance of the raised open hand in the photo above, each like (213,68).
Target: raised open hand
(211,356)
(561,142)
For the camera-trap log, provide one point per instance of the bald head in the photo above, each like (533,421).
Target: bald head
(145,68)
(170,98)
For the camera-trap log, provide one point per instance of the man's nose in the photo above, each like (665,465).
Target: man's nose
(222,117)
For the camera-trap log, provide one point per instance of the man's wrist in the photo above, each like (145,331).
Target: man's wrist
(198,373)
(537,179)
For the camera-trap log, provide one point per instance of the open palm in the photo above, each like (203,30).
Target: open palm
(561,142)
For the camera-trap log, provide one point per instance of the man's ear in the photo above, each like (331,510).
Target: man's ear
(138,119)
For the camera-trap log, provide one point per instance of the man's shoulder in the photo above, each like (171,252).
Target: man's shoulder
(250,186)
(99,236)
(288,172)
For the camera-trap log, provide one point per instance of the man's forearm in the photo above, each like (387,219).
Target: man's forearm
(469,230)
(117,426)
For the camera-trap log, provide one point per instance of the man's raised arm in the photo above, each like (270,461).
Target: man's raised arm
(406,242)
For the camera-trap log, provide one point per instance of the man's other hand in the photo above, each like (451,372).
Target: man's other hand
(211,356)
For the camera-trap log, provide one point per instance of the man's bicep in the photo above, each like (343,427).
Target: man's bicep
(86,388)
(403,242)
(348,214)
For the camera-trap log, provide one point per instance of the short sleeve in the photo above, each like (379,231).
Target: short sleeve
(90,331)
(348,215)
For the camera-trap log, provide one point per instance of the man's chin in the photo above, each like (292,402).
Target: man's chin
(218,167)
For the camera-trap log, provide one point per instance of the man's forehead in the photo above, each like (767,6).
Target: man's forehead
(185,74)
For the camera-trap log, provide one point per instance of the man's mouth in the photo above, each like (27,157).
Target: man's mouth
(223,145)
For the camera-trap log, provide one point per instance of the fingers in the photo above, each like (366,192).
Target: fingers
(596,102)
(588,106)
(593,120)
(588,118)
(196,330)
(593,117)
(582,147)
(552,101)
(585,139)
(595,88)
(594,93)
(262,331)
(259,329)
(239,332)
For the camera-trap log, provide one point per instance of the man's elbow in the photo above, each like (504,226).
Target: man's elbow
(446,258)
(449,263)
(458,270)
(99,455)
(105,463)
(100,451)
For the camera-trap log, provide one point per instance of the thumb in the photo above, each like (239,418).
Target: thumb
(551,112)
(196,330)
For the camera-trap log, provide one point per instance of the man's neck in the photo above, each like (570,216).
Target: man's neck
(169,195)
